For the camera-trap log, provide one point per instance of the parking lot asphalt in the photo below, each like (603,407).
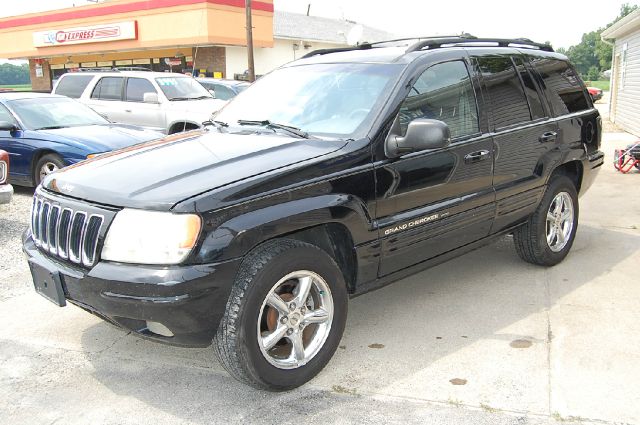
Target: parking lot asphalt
(482,339)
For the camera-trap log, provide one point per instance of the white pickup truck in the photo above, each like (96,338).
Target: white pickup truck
(160,101)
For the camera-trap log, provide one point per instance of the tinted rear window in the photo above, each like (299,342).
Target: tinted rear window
(563,85)
(108,88)
(505,90)
(73,85)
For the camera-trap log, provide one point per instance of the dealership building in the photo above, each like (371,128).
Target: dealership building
(189,36)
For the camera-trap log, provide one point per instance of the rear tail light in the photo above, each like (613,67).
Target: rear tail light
(4,167)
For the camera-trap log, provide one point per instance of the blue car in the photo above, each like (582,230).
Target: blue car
(44,132)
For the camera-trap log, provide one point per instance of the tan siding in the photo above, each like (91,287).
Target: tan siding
(628,105)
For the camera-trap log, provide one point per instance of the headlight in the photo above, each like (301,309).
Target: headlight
(150,237)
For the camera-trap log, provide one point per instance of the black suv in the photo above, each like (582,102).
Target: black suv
(329,177)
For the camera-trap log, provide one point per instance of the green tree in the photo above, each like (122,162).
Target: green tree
(592,56)
(14,74)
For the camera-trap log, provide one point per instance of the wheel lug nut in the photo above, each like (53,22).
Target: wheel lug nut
(303,310)
(284,320)
(301,326)
(292,306)
(289,331)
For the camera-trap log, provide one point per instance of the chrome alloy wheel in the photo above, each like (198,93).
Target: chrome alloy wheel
(559,221)
(295,319)
(47,168)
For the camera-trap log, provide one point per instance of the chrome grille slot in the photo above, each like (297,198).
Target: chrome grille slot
(76,233)
(63,233)
(68,233)
(44,219)
(52,229)
(90,242)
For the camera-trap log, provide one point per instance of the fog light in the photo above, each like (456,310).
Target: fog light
(158,328)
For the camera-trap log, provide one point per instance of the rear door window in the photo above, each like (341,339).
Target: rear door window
(564,88)
(73,85)
(533,97)
(137,87)
(108,88)
(507,95)
(443,92)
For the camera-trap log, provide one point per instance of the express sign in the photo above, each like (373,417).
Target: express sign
(107,32)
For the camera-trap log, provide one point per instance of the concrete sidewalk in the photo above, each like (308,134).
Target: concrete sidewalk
(485,338)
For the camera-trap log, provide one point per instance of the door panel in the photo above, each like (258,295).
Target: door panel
(433,203)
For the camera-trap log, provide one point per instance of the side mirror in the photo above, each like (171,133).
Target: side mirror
(213,93)
(422,134)
(8,126)
(150,98)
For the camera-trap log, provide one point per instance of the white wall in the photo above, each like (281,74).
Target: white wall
(269,58)
(627,113)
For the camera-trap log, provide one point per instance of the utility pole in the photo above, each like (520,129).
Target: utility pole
(251,69)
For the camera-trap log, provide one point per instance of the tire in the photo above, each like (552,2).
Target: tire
(531,239)
(51,162)
(250,322)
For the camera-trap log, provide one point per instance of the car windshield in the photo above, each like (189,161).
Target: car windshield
(334,100)
(54,112)
(182,88)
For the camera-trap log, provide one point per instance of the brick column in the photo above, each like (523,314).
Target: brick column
(40,83)
(213,59)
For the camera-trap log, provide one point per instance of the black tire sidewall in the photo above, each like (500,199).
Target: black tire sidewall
(558,184)
(46,158)
(299,258)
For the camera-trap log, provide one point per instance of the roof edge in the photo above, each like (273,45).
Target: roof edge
(623,26)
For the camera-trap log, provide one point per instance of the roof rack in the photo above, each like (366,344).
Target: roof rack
(438,42)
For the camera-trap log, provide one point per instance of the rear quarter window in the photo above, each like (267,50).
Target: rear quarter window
(73,85)
(563,86)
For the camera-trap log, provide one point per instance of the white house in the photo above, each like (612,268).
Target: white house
(624,108)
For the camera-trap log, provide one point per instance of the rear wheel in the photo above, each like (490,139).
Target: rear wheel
(285,316)
(49,163)
(548,235)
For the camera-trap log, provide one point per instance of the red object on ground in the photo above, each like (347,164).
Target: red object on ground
(624,160)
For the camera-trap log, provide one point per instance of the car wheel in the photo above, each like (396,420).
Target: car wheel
(546,238)
(285,316)
(46,165)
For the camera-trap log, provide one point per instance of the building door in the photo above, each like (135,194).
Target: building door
(615,79)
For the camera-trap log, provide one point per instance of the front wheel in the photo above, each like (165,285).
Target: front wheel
(49,163)
(548,235)
(285,316)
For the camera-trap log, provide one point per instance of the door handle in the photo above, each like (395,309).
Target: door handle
(549,136)
(478,156)
(127,110)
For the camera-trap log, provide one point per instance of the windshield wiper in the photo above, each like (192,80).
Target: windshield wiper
(217,124)
(189,98)
(52,127)
(273,125)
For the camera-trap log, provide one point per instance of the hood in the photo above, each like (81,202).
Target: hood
(102,138)
(158,174)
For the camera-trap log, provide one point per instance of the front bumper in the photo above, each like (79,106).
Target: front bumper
(6,193)
(188,300)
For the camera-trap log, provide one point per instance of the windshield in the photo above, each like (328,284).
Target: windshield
(54,112)
(182,88)
(321,99)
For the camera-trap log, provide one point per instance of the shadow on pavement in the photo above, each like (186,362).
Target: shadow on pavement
(404,339)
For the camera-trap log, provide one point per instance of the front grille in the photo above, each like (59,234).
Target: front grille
(68,233)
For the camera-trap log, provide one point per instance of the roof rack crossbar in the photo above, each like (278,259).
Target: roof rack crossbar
(438,42)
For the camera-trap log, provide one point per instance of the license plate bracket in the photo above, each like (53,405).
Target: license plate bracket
(47,283)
